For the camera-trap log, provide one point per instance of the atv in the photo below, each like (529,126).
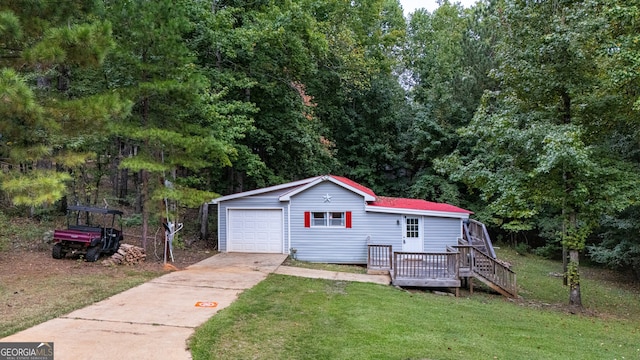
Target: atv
(90,232)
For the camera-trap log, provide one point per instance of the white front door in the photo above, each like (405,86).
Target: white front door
(412,234)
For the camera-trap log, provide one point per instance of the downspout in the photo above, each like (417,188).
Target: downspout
(288,245)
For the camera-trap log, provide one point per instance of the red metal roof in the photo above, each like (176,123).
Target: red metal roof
(401,203)
(354,184)
(416,204)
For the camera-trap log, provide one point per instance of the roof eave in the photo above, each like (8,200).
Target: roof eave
(287,196)
(263,190)
(388,210)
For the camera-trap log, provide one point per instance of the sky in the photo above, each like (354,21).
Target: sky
(410,5)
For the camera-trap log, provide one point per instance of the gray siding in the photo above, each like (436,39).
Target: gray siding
(440,232)
(262,201)
(386,229)
(333,245)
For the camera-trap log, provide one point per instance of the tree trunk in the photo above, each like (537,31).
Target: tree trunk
(145,173)
(123,180)
(204,221)
(575,298)
(145,208)
(565,265)
(137,181)
(120,176)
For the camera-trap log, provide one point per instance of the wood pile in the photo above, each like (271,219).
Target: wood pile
(126,255)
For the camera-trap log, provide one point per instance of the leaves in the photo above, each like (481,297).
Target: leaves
(35,188)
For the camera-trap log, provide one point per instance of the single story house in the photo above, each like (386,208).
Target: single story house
(333,219)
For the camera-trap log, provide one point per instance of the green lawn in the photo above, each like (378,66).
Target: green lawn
(603,291)
(295,318)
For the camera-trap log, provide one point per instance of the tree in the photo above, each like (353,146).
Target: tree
(449,57)
(617,245)
(179,125)
(359,100)
(535,152)
(261,54)
(47,123)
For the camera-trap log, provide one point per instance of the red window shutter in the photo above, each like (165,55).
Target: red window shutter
(307,219)
(348,220)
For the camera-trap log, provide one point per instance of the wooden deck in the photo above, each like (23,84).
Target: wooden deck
(425,269)
(445,270)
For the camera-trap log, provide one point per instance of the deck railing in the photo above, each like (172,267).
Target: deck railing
(475,262)
(379,257)
(443,269)
(476,234)
(425,265)
(464,258)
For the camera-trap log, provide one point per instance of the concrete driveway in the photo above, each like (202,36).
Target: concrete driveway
(153,320)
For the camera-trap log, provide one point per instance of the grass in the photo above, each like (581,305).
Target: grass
(604,292)
(29,301)
(295,318)
(355,269)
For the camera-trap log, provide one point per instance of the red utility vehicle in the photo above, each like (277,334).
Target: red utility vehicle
(90,232)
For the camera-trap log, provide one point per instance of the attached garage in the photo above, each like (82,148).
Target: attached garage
(255,230)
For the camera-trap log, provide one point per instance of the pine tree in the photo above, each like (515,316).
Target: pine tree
(49,122)
(179,126)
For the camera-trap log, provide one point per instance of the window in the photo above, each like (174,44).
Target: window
(336,219)
(319,219)
(327,219)
(413,229)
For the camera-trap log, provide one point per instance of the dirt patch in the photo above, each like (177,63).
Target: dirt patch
(38,263)
(35,287)
(26,259)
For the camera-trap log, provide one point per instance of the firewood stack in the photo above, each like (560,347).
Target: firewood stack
(126,255)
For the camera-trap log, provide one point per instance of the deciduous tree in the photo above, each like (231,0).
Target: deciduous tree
(535,149)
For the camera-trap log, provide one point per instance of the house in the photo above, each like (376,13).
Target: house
(333,219)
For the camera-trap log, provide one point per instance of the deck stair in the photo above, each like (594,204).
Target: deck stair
(473,258)
(475,233)
(496,274)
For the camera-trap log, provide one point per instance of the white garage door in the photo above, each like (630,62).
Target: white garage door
(258,231)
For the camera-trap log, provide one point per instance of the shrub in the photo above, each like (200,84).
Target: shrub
(522,248)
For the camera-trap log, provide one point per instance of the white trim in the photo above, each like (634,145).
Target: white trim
(219,227)
(320,179)
(254,208)
(388,210)
(263,190)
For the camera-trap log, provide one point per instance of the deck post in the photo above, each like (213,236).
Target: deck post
(470,285)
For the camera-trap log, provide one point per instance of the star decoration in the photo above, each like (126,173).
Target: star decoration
(327,198)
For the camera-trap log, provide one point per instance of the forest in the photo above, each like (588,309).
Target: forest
(523,111)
